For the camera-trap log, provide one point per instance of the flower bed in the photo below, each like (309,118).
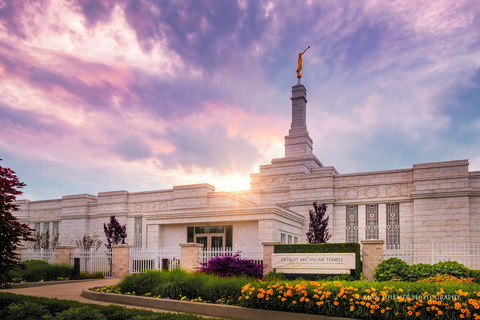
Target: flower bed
(363,300)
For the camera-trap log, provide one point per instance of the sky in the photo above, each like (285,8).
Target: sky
(142,95)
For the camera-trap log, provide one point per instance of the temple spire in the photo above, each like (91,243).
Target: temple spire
(298,141)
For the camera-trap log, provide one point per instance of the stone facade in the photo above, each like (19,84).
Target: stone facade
(429,202)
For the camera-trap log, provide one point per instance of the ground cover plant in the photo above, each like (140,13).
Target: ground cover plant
(13,307)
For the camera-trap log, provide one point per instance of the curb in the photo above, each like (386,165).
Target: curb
(204,309)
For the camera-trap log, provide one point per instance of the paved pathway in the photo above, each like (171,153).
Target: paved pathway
(70,291)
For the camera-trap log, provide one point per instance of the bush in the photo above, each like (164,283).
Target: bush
(475,275)
(88,275)
(24,310)
(178,284)
(38,270)
(228,266)
(82,313)
(74,308)
(451,268)
(391,269)
(446,278)
(419,271)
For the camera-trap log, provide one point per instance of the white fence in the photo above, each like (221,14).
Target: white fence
(254,254)
(47,255)
(153,259)
(92,261)
(467,254)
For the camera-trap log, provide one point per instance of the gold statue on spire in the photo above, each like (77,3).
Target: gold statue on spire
(299,75)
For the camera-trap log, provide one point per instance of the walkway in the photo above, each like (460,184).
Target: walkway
(70,290)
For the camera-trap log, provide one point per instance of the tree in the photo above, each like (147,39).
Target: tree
(318,228)
(89,242)
(114,232)
(43,241)
(12,232)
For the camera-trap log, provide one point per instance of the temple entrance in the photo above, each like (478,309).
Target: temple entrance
(211,237)
(210,241)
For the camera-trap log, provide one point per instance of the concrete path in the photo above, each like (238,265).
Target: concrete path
(70,291)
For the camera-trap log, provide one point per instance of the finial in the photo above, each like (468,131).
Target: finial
(299,75)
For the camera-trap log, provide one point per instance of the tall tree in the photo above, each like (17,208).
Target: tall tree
(12,232)
(114,232)
(318,228)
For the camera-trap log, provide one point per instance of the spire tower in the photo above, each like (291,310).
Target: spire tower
(298,141)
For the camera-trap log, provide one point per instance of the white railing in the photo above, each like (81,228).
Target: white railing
(254,254)
(467,254)
(47,255)
(142,259)
(92,261)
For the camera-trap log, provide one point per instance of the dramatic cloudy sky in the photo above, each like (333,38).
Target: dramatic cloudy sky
(143,95)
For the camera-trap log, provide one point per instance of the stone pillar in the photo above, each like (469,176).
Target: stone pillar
(189,256)
(372,255)
(62,254)
(120,260)
(268,248)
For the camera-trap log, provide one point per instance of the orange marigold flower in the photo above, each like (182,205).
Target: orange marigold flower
(336,303)
(351,308)
(409,313)
(417,314)
(372,311)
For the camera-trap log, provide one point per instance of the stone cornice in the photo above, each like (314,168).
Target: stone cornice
(243,214)
(446,193)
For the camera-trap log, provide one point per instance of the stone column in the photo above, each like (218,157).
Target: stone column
(62,254)
(120,260)
(268,248)
(372,255)
(189,256)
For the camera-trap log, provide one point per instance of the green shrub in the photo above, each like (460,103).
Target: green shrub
(475,275)
(88,275)
(82,313)
(55,307)
(451,268)
(274,276)
(24,310)
(391,269)
(38,270)
(419,271)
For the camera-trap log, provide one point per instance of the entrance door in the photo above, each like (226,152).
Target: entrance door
(210,241)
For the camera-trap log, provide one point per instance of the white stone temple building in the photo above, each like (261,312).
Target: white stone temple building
(428,202)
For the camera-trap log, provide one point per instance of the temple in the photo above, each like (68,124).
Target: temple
(424,203)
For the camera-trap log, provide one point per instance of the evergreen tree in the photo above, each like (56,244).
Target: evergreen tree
(318,228)
(12,232)
(114,232)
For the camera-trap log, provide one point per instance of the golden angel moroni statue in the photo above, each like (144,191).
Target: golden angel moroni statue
(299,75)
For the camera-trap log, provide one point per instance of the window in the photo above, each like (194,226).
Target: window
(37,227)
(372,221)
(211,236)
(295,240)
(46,227)
(138,232)
(289,239)
(56,225)
(393,225)
(352,224)
(283,238)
